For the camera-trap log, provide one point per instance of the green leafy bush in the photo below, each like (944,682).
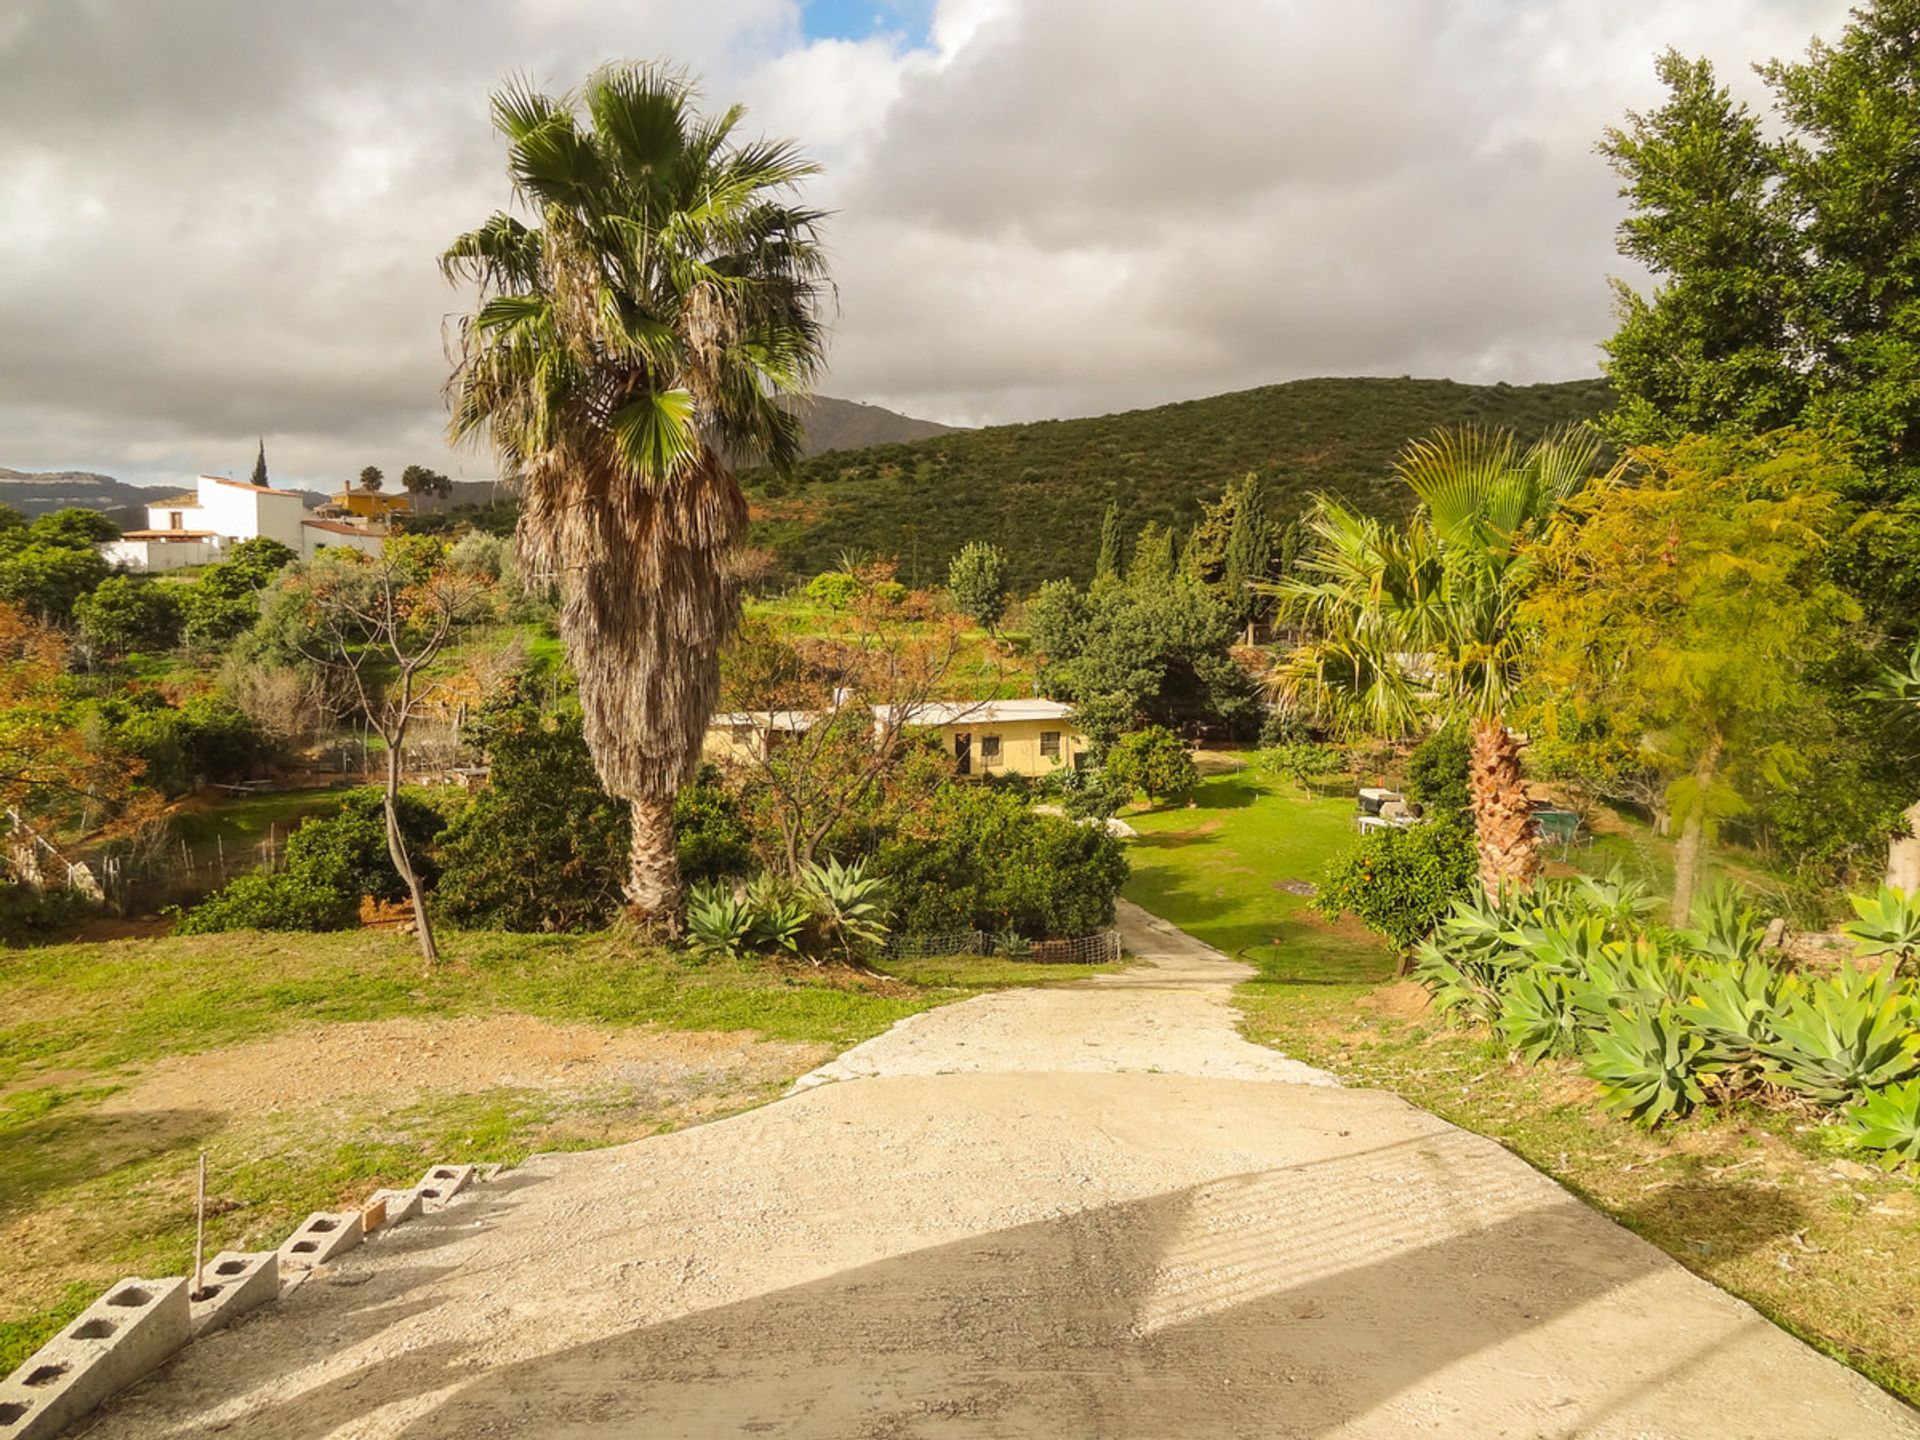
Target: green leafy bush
(777,914)
(1399,882)
(1154,761)
(835,589)
(973,858)
(304,898)
(1437,772)
(710,834)
(353,843)
(541,846)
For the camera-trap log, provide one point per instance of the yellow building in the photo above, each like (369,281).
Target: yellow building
(985,737)
(371,504)
(995,737)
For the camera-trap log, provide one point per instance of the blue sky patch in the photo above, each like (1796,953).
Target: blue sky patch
(909,20)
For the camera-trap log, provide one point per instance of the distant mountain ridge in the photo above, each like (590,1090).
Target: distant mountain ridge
(831,425)
(852,425)
(1039,490)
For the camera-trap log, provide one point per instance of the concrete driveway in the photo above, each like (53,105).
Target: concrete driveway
(1085,1212)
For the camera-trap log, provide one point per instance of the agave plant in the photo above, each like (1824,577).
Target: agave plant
(1889,925)
(1567,944)
(1842,1038)
(1888,1121)
(779,916)
(1735,1004)
(1537,1016)
(1649,1064)
(719,922)
(1469,958)
(848,903)
(1628,975)
(1622,903)
(1732,927)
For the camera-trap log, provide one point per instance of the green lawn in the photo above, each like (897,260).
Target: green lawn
(1217,870)
(87,1194)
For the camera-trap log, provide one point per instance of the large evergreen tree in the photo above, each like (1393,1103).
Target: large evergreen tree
(1787,267)
(1107,566)
(259,476)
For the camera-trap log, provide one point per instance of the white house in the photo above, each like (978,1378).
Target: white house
(200,527)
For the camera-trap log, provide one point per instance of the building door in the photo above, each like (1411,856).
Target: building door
(963,754)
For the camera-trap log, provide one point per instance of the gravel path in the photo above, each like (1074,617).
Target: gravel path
(1086,1212)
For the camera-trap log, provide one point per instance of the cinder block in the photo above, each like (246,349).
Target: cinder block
(401,1205)
(443,1182)
(119,1339)
(233,1284)
(486,1173)
(373,1214)
(321,1236)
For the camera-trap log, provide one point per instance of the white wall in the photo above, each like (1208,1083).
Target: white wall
(152,556)
(192,517)
(313,540)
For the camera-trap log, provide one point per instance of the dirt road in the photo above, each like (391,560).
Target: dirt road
(1086,1212)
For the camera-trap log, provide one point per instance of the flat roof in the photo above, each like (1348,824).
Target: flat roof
(341,527)
(976,712)
(166,535)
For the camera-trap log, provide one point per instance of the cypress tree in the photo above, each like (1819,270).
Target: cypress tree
(260,463)
(1108,565)
(1249,552)
(1152,555)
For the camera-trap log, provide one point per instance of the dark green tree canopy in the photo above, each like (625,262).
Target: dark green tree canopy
(1787,262)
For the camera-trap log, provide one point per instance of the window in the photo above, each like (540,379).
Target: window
(989,749)
(1049,744)
(173,520)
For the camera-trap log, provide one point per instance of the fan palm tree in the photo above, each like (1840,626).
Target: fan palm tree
(1417,625)
(634,338)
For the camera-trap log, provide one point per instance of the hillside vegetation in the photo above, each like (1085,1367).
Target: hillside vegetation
(1038,490)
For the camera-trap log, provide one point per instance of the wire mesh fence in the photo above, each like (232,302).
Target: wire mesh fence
(1101,947)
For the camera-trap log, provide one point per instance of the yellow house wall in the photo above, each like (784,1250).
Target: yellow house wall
(1019,746)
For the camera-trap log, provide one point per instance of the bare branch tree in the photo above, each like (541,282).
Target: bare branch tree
(378,625)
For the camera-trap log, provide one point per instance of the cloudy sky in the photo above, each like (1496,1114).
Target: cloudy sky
(218,218)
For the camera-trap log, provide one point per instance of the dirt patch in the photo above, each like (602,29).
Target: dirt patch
(398,1059)
(1404,1000)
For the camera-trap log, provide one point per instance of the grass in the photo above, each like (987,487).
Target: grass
(1218,870)
(88,1194)
(1754,1201)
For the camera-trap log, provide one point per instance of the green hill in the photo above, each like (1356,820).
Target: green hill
(1038,490)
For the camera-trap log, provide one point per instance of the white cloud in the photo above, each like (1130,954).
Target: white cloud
(220,216)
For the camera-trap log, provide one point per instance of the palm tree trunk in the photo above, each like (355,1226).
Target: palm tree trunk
(1903,854)
(1503,823)
(653,868)
(1689,854)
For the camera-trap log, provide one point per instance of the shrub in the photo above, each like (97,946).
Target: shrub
(27,914)
(1649,1064)
(1095,796)
(978,859)
(124,613)
(711,835)
(542,846)
(353,843)
(207,739)
(777,914)
(304,898)
(1843,1037)
(1154,760)
(1437,771)
(1399,882)
(835,589)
